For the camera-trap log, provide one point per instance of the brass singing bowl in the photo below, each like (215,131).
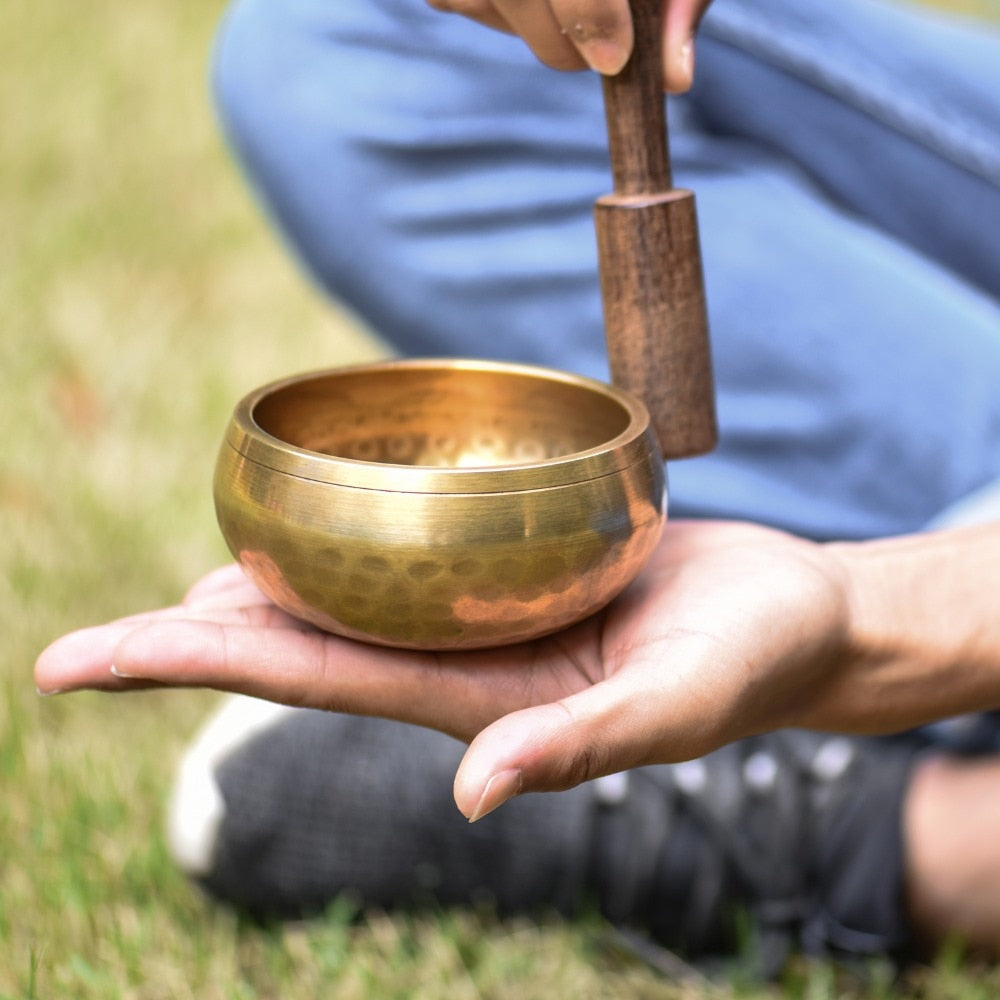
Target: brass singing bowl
(440,504)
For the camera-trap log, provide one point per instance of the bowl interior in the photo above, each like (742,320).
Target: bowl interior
(442,417)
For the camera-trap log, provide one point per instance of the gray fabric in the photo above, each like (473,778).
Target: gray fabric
(799,831)
(321,804)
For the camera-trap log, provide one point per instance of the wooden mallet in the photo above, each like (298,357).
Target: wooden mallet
(652,287)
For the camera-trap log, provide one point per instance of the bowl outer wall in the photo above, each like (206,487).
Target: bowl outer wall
(449,571)
(440,558)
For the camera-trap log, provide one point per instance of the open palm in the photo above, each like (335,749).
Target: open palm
(720,636)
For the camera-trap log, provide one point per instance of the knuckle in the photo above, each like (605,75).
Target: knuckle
(576,756)
(582,767)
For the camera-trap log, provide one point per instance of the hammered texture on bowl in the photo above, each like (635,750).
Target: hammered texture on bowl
(434,506)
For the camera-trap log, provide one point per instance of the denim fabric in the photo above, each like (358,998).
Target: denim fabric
(434,177)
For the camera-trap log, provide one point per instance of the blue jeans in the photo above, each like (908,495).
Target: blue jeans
(434,177)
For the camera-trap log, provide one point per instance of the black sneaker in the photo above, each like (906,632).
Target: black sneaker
(794,837)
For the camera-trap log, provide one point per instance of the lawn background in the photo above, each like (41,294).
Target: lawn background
(140,296)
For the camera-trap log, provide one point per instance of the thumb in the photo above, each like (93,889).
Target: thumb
(552,747)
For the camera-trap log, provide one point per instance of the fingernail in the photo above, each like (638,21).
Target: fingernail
(50,692)
(502,787)
(606,56)
(118,672)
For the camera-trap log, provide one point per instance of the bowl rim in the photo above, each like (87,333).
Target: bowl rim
(634,443)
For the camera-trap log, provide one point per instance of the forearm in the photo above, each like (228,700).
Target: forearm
(923,627)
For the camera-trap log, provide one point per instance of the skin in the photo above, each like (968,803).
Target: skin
(732,629)
(577,34)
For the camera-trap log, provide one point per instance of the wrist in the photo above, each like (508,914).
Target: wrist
(921,638)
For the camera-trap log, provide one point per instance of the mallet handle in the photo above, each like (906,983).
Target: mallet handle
(652,287)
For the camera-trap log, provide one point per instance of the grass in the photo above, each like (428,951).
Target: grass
(140,295)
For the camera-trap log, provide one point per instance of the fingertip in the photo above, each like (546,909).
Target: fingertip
(500,788)
(57,666)
(77,661)
(679,67)
(471,781)
(606,56)
(43,682)
(544,748)
(605,45)
(49,680)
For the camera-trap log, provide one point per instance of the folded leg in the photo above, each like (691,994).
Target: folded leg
(436,178)
(890,107)
(280,811)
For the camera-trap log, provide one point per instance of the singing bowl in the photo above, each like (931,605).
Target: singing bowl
(440,504)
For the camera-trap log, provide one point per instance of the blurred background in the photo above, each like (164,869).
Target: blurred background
(140,296)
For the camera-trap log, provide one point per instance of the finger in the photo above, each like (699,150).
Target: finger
(564,34)
(680,23)
(83,659)
(223,580)
(600,30)
(547,748)
(310,668)
(237,593)
(536,23)
(225,587)
(482,11)
(656,712)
